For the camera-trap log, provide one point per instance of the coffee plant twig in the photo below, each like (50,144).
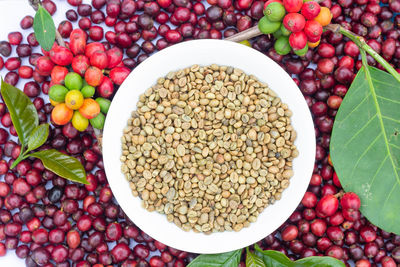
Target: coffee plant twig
(35,5)
(360,42)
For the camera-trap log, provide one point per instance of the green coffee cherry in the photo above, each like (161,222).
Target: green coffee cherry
(57,93)
(284,31)
(98,121)
(266,26)
(277,34)
(88,91)
(104,104)
(275,11)
(73,81)
(282,46)
(302,52)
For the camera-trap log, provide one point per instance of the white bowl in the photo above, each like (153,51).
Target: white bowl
(206,52)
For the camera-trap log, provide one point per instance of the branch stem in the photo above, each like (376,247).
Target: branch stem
(35,5)
(59,39)
(245,35)
(364,47)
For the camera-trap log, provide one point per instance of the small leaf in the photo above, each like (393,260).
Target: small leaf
(274,258)
(62,165)
(38,136)
(316,261)
(45,30)
(252,260)
(23,113)
(228,259)
(365,146)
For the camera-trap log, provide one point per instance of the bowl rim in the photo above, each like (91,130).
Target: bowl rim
(216,242)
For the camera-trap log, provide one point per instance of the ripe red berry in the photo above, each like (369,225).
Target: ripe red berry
(120,252)
(80,64)
(309,200)
(350,200)
(335,178)
(106,88)
(336,219)
(77,41)
(289,233)
(351,49)
(293,5)
(363,263)
(325,65)
(73,239)
(61,55)
(388,261)
(298,40)
(44,65)
(310,9)
(335,251)
(58,74)
(99,59)
(351,215)
(313,30)
(368,234)
(327,206)
(119,74)
(93,47)
(294,22)
(318,227)
(114,56)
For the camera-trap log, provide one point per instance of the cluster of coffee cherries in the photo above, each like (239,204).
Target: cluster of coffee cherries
(77,71)
(296,25)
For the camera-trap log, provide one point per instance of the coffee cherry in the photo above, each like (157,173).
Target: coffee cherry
(327,206)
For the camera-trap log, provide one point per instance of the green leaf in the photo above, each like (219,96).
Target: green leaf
(274,258)
(252,260)
(65,166)
(316,261)
(45,30)
(38,136)
(23,113)
(228,259)
(365,146)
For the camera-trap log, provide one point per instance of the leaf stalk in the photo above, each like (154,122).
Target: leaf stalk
(364,47)
(18,160)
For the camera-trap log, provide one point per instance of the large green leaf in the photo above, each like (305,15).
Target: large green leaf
(45,30)
(365,146)
(23,113)
(274,258)
(65,166)
(228,259)
(252,260)
(38,136)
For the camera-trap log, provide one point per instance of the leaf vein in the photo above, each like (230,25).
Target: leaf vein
(377,171)
(380,117)
(394,145)
(388,99)
(365,152)
(360,130)
(381,82)
(356,107)
(391,119)
(388,197)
